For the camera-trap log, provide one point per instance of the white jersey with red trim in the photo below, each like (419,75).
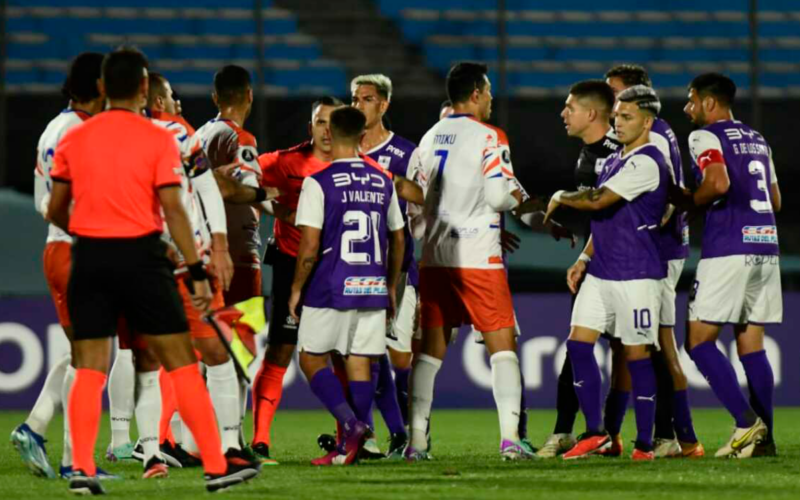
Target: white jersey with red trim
(188,145)
(45,151)
(455,160)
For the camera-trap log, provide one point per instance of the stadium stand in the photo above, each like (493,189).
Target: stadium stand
(554,43)
(185,43)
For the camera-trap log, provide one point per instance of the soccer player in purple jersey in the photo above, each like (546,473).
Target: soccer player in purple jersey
(372,94)
(350,255)
(621,294)
(738,278)
(674,432)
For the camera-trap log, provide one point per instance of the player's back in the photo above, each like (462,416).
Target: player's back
(462,230)
(45,151)
(351,271)
(742,221)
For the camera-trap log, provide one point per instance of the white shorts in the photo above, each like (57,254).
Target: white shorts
(668,294)
(401,330)
(626,310)
(737,289)
(353,331)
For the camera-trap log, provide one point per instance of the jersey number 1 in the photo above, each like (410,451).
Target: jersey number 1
(366,227)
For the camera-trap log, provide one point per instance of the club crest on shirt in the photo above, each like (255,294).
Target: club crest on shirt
(760,234)
(366,285)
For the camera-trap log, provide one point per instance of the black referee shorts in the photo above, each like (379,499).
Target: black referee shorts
(282,327)
(123,277)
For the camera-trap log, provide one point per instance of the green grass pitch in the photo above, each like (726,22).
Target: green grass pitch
(467,465)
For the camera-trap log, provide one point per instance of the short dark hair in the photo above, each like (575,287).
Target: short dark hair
(463,79)
(630,74)
(231,83)
(123,71)
(347,123)
(157,87)
(325,100)
(81,82)
(716,85)
(597,90)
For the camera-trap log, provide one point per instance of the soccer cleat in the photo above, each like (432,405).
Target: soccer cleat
(354,442)
(261,453)
(642,455)
(327,459)
(81,484)
(65,471)
(180,456)
(412,455)
(667,448)
(30,446)
(121,452)
(327,442)
(742,437)
(397,443)
(516,450)
(370,450)
(588,444)
(615,448)
(156,468)
(692,450)
(237,473)
(240,458)
(138,452)
(556,445)
(758,449)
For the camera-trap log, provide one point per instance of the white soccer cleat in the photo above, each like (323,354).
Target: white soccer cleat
(667,448)
(741,438)
(556,444)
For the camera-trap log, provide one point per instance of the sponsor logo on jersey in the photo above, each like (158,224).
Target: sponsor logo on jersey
(760,234)
(464,233)
(385,161)
(761,260)
(368,285)
(395,151)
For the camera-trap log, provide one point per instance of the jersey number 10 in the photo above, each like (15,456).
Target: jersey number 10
(366,227)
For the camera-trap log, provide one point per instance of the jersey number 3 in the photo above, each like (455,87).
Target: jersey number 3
(758,169)
(366,228)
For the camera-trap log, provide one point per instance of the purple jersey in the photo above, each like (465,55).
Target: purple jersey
(675,233)
(394,154)
(742,221)
(355,206)
(626,235)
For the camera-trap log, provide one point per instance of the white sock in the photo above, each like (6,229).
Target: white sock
(423,377)
(507,390)
(121,400)
(244,391)
(177,427)
(224,390)
(69,378)
(49,400)
(148,412)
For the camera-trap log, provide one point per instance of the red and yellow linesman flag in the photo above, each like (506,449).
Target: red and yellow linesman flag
(237,326)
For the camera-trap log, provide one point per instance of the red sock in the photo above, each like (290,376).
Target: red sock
(194,406)
(341,373)
(168,407)
(267,391)
(85,406)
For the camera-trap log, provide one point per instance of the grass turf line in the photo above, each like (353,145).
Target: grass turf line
(467,465)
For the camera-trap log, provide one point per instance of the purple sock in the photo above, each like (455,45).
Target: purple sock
(719,373)
(643,381)
(401,384)
(327,388)
(616,405)
(386,399)
(682,418)
(761,383)
(374,374)
(586,382)
(363,396)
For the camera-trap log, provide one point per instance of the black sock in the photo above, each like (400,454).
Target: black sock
(567,404)
(664,399)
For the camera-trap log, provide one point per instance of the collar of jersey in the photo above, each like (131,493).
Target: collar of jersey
(348,160)
(77,111)
(630,153)
(461,115)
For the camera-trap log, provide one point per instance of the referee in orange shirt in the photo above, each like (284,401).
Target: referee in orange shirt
(120,170)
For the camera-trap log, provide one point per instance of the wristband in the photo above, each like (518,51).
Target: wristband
(261,195)
(584,258)
(557,195)
(197,271)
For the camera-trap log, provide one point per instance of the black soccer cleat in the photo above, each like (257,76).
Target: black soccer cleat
(81,484)
(327,442)
(397,443)
(182,457)
(239,470)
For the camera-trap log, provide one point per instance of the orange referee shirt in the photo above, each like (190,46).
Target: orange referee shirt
(116,162)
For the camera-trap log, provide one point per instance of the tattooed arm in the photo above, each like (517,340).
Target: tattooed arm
(306,259)
(589,200)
